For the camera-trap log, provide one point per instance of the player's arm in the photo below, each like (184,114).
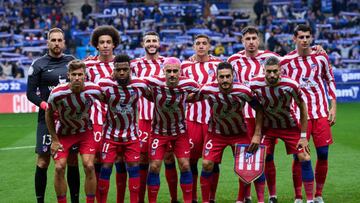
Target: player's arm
(50,123)
(318,49)
(330,82)
(303,142)
(259,117)
(332,112)
(32,85)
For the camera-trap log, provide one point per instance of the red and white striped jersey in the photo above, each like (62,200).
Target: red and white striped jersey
(227,116)
(277,101)
(169,111)
(310,72)
(202,73)
(73,108)
(122,108)
(246,68)
(142,67)
(95,70)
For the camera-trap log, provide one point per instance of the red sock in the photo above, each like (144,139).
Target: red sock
(270,174)
(172,180)
(241,191)
(260,189)
(320,176)
(215,181)
(61,199)
(103,188)
(134,186)
(205,182)
(152,192)
(187,192)
(297,178)
(120,187)
(309,188)
(90,198)
(143,176)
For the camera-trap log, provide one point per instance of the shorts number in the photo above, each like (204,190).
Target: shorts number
(209,145)
(97,136)
(46,140)
(191,143)
(146,135)
(155,143)
(105,147)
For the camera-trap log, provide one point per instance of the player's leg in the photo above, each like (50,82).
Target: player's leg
(171,173)
(157,148)
(270,169)
(43,142)
(59,179)
(97,134)
(90,177)
(73,174)
(182,152)
(121,178)
(132,157)
(144,133)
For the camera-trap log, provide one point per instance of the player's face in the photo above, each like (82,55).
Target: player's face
(202,46)
(225,79)
(272,74)
(251,42)
(56,44)
(172,74)
(121,72)
(303,40)
(151,44)
(77,78)
(105,45)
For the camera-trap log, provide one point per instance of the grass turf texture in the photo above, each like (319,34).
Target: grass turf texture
(17,166)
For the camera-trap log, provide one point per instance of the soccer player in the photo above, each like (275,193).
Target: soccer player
(45,73)
(277,93)
(310,69)
(202,68)
(147,66)
(247,64)
(105,39)
(72,101)
(168,126)
(226,125)
(122,93)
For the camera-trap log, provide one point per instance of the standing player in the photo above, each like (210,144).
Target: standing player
(72,101)
(105,39)
(147,66)
(202,68)
(122,93)
(168,126)
(247,64)
(277,95)
(44,74)
(227,125)
(310,70)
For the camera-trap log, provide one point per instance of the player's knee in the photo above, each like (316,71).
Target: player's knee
(89,167)
(184,165)
(322,152)
(208,165)
(169,158)
(155,167)
(60,168)
(43,161)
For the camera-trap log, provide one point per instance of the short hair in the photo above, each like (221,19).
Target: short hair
(55,29)
(250,29)
(122,58)
(224,65)
(202,36)
(151,33)
(271,60)
(303,28)
(105,30)
(76,64)
(172,61)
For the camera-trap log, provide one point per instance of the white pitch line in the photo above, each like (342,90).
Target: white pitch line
(13,148)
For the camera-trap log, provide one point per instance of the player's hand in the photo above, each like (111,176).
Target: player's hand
(55,147)
(319,50)
(44,106)
(255,141)
(303,144)
(332,116)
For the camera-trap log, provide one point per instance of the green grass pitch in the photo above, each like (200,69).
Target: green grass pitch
(17,166)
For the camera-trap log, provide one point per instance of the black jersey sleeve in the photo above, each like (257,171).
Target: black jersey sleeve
(33,83)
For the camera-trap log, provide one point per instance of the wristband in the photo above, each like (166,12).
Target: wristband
(302,135)
(44,105)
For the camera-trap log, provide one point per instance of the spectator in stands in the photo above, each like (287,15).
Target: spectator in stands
(86,9)
(258,9)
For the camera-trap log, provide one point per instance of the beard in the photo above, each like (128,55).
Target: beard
(124,81)
(148,52)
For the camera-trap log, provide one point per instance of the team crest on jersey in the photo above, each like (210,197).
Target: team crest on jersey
(313,67)
(211,73)
(249,166)
(103,155)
